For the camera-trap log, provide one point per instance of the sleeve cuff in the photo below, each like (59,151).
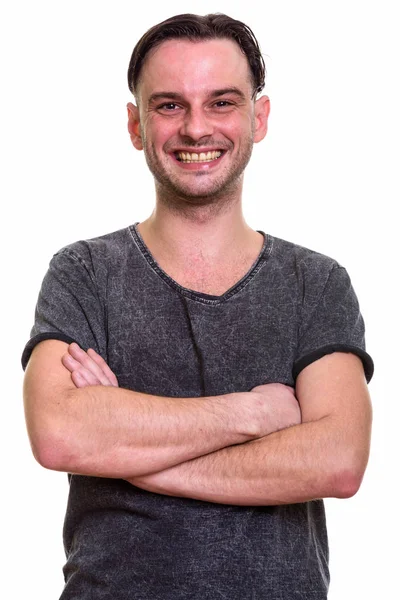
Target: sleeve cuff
(306,360)
(56,335)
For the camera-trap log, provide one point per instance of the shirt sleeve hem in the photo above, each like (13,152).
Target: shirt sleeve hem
(311,357)
(55,335)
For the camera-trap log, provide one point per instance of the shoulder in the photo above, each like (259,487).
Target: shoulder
(108,246)
(294,256)
(308,269)
(308,273)
(329,318)
(98,256)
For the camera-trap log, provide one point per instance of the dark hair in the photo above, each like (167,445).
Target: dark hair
(197,28)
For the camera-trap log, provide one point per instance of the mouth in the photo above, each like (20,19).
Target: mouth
(201,157)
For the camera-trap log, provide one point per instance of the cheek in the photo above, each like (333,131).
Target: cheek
(161,130)
(163,141)
(236,129)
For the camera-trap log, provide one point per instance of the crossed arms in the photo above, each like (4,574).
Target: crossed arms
(247,448)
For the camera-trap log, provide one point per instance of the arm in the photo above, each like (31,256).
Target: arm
(106,431)
(324,456)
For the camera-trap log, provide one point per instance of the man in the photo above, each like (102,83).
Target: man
(169,361)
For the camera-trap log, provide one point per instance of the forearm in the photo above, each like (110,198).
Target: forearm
(113,432)
(298,464)
(83,424)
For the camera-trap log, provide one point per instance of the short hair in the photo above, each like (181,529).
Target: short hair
(197,28)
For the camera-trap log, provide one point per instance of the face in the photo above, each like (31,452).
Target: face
(196,120)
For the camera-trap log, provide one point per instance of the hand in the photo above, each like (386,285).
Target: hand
(87,368)
(277,407)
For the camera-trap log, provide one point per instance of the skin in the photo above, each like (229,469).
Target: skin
(78,418)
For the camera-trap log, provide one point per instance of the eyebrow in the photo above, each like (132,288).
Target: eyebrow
(228,90)
(214,94)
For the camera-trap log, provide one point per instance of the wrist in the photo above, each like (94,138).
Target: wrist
(242,415)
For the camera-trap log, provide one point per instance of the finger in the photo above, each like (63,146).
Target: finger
(70,363)
(291,389)
(80,376)
(88,375)
(89,364)
(74,366)
(79,380)
(99,360)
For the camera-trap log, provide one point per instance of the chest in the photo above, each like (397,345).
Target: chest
(171,343)
(208,277)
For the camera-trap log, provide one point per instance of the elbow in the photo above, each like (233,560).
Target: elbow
(347,483)
(52,437)
(347,478)
(48,456)
(347,467)
(49,450)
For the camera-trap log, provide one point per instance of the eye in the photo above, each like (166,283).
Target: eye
(223,103)
(168,106)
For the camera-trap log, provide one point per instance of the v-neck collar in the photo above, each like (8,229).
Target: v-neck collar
(200,296)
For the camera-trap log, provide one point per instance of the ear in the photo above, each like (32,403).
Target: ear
(134,126)
(261,113)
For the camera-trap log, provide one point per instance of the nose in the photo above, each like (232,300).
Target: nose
(196,124)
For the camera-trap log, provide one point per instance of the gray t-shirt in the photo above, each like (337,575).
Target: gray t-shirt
(291,308)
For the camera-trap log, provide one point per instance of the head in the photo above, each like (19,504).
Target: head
(195,80)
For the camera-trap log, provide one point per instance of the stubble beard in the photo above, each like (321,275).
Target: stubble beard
(173,192)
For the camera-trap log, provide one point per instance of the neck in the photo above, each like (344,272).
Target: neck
(207,231)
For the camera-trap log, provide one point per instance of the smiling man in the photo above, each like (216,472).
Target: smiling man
(203,384)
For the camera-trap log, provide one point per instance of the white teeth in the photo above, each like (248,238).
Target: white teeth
(194,157)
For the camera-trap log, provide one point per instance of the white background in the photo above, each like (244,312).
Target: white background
(325,177)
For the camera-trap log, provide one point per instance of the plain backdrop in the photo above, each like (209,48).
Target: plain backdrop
(325,177)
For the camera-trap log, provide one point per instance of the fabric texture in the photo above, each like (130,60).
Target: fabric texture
(291,308)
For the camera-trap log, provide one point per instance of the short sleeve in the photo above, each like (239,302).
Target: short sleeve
(333,324)
(69,307)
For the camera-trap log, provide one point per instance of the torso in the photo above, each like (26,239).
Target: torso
(123,542)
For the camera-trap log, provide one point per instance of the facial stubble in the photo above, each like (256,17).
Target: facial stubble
(171,189)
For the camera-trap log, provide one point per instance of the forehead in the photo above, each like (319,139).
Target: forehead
(186,67)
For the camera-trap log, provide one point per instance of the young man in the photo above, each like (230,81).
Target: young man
(170,361)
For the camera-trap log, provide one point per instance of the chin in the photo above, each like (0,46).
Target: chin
(200,191)
(201,195)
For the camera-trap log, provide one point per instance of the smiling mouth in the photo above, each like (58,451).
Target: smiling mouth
(194,157)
